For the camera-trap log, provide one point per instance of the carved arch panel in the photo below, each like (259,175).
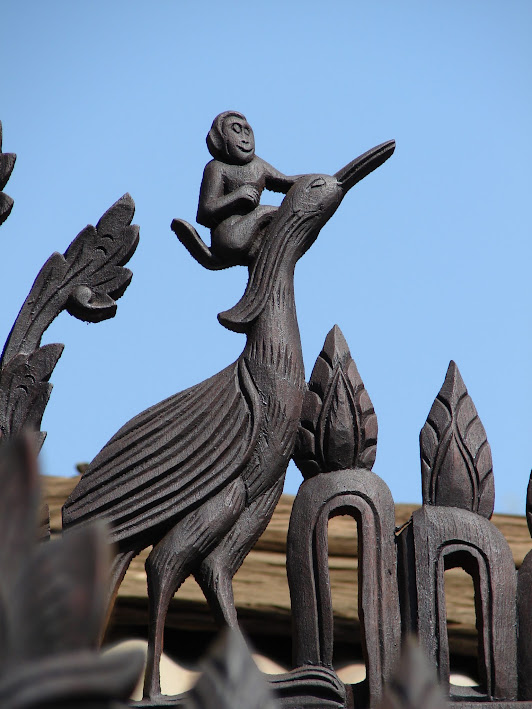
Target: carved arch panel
(447,537)
(365,497)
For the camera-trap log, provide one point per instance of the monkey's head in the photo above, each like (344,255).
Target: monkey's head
(231,139)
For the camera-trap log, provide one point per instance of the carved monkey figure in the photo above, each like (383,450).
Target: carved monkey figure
(230,193)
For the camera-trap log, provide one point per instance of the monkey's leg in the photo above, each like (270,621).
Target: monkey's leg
(172,559)
(215,575)
(236,239)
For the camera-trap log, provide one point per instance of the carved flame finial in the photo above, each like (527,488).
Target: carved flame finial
(338,427)
(456,466)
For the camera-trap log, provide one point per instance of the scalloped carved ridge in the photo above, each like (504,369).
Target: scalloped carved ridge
(338,427)
(456,464)
(7,163)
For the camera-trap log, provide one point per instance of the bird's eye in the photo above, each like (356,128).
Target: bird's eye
(237,127)
(318,182)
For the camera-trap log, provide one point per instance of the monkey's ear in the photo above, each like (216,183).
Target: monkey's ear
(215,142)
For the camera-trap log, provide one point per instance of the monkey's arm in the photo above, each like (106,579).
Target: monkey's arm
(214,206)
(275,180)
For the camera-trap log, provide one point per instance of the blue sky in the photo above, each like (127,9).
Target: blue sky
(426,260)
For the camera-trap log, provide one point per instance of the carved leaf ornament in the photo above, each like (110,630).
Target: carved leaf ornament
(338,429)
(86,280)
(7,163)
(456,465)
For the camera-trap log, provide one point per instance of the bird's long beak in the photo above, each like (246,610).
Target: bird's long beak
(356,170)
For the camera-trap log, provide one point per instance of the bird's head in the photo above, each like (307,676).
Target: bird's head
(307,207)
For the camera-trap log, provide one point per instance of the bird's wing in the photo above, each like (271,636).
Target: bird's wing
(170,458)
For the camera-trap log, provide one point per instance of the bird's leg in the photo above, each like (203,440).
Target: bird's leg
(171,561)
(216,582)
(119,567)
(215,575)
(165,572)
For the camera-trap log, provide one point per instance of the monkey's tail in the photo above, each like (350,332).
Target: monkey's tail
(195,245)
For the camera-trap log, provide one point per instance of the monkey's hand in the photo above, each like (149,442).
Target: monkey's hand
(248,194)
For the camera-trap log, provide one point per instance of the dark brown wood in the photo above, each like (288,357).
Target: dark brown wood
(7,163)
(52,604)
(199,475)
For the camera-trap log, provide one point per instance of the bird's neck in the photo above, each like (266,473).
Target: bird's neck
(274,341)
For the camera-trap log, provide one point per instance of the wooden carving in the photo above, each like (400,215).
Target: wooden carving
(85,280)
(339,430)
(7,163)
(197,477)
(52,602)
(199,474)
(457,474)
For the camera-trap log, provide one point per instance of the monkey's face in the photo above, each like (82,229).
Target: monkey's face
(239,140)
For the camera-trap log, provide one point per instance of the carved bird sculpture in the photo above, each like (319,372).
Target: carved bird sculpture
(198,475)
